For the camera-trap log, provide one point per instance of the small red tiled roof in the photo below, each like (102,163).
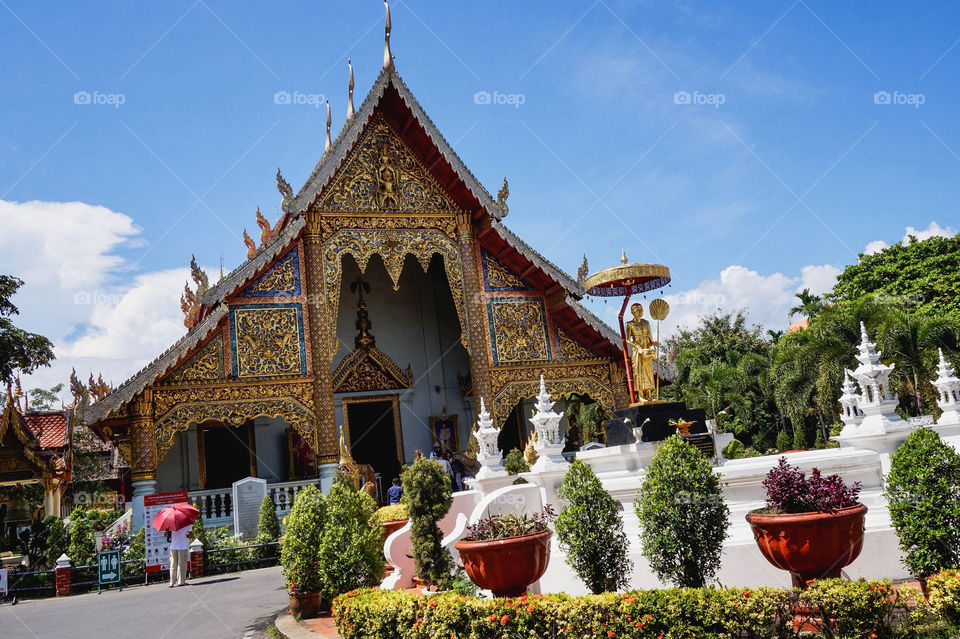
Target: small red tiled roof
(50,429)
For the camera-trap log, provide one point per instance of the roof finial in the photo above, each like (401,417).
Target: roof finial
(387,56)
(623,257)
(350,111)
(328,144)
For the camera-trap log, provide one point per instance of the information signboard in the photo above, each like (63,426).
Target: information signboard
(108,567)
(155,542)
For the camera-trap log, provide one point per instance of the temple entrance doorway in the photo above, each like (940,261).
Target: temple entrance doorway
(513,433)
(227,454)
(373,430)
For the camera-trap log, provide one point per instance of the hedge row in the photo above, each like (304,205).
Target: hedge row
(848,609)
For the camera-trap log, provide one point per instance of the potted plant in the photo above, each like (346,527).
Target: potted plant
(300,554)
(391,518)
(507,553)
(811,527)
(428,495)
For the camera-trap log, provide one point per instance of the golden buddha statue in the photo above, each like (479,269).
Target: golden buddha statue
(642,353)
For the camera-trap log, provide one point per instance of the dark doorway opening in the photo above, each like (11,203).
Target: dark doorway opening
(513,434)
(373,437)
(226,454)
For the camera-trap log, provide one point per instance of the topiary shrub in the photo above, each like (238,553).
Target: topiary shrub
(799,438)
(784,442)
(394,512)
(736,450)
(514,463)
(268,529)
(351,550)
(300,554)
(683,515)
(427,494)
(923,491)
(590,530)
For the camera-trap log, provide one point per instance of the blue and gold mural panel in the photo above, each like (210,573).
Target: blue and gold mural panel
(497,277)
(518,327)
(281,280)
(267,340)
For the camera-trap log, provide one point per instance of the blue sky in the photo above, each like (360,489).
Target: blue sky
(779,171)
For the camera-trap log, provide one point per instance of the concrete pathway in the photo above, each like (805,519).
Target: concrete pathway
(232,606)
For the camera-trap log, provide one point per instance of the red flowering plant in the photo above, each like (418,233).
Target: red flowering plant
(502,526)
(790,491)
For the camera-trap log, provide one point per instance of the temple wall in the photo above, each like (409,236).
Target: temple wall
(418,326)
(179,469)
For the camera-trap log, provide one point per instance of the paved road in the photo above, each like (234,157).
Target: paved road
(232,606)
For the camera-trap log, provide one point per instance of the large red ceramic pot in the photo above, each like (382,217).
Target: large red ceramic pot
(304,604)
(506,566)
(810,546)
(390,527)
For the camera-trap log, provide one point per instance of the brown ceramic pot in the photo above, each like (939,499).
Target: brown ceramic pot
(304,604)
(810,546)
(506,566)
(390,527)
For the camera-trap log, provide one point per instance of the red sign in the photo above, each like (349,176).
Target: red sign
(155,542)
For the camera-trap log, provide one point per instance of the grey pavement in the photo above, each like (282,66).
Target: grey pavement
(232,606)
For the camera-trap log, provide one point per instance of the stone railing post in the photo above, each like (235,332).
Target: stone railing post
(62,575)
(196,558)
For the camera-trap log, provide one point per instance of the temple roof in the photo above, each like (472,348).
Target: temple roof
(42,436)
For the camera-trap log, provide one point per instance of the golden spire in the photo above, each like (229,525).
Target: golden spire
(623,256)
(350,111)
(387,56)
(328,144)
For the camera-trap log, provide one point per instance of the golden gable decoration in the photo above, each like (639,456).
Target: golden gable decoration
(382,174)
(571,348)
(369,369)
(519,331)
(206,363)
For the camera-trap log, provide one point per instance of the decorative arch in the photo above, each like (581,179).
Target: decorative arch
(513,392)
(233,413)
(393,246)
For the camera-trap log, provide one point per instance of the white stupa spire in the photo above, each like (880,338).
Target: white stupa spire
(549,443)
(948,392)
(876,403)
(489,453)
(850,413)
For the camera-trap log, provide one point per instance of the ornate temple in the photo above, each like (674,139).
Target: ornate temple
(387,297)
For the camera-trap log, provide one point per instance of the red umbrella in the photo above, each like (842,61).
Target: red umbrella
(175,517)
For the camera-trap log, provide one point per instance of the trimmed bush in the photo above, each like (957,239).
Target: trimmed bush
(268,529)
(683,515)
(300,555)
(945,595)
(351,549)
(736,450)
(923,490)
(856,610)
(784,442)
(799,438)
(396,512)
(58,541)
(200,532)
(514,463)
(590,530)
(83,548)
(428,495)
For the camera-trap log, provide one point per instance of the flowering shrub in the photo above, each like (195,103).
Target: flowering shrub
(844,609)
(790,491)
(513,525)
(945,595)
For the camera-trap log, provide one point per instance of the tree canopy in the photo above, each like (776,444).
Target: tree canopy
(20,351)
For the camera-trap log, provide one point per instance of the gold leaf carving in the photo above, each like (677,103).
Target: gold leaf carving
(207,363)
(519,331)
(498,277)
(268,341)
(571,348)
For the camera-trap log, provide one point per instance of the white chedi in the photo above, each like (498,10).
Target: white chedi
(549,441)
(489,453)
(948,392)
(877,403)
(850,413)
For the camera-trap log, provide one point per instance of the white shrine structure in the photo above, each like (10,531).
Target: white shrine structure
(872,432)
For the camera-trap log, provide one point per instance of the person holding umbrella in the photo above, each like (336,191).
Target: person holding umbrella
(177,521)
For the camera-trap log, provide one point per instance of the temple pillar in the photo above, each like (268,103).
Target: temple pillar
(143,463)
(477,336)
(51,496)
(326,473)
(325,434)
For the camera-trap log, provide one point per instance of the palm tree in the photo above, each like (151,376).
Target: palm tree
(810,305)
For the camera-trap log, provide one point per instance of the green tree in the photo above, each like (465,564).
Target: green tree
(923,493)
(268,528)
(19,350)
(200,532)
(83,549)
(799,438)
(808,305)
(351,550)
(514,463)
(923,276)
(428,495)
(45,399)
(58,541)
(784,442)
(683,515)
(300,554)
(590,530)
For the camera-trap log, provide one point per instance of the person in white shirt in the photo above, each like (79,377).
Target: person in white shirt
(179,554)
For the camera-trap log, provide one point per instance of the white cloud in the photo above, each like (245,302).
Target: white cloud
(66,252)
(932,230)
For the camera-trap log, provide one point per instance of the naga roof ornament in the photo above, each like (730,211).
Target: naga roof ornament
(387,55)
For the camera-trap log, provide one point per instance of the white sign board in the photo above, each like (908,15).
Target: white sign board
(3,582)
(155,542)
(248,494)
